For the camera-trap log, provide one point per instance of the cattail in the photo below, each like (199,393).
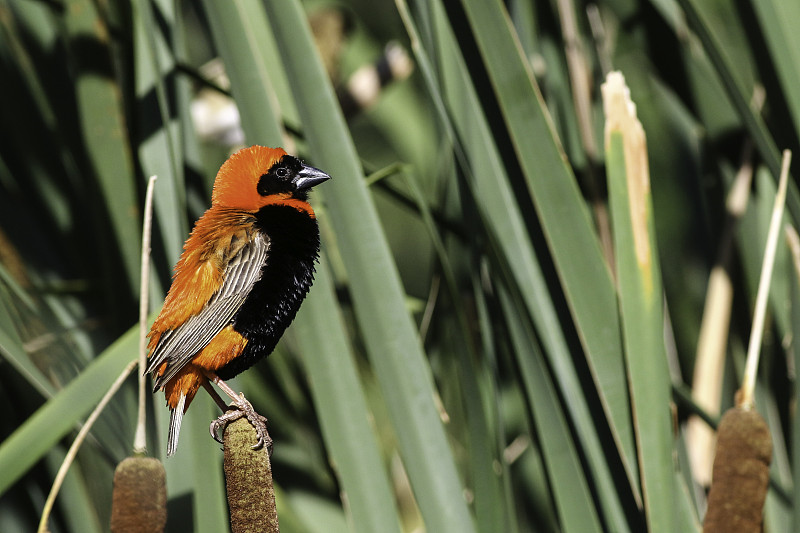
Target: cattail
(248,480)
(741,473)
(744,447)
(139,500)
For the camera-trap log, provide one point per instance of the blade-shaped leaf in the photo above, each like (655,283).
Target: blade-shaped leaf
(389,333)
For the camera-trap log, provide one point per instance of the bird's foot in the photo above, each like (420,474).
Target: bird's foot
(242,408)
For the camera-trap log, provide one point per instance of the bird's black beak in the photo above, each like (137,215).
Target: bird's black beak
(309,177)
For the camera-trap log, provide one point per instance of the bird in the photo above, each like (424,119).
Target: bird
(244,271)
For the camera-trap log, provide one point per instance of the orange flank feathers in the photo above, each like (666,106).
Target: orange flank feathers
(226,345)
(244,272)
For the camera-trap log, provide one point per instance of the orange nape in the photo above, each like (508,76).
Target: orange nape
(222,349)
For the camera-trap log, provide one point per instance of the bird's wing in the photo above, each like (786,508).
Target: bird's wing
(179,345)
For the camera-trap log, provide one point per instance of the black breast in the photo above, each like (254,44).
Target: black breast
(285,280)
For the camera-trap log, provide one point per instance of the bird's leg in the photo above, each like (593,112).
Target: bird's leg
(215,395)
(241,408)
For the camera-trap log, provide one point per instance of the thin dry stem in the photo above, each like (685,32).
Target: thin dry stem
(140,438)
(76,445)
(745,397)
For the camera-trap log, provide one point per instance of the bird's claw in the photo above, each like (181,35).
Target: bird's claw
(217,427)
(239,409)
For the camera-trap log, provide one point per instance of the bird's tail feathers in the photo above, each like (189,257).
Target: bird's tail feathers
(175,419)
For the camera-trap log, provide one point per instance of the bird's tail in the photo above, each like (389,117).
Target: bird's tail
(175,419)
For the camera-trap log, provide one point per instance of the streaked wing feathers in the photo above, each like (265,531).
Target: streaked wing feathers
(178,346)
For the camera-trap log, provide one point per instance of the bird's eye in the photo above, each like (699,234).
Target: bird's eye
(281,172)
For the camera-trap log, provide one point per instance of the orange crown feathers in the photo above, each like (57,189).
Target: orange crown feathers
(237,180)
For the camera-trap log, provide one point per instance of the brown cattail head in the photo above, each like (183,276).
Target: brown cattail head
(248,480)
(139,501)
(741,473)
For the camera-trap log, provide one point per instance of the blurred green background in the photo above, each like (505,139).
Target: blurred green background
(477,352)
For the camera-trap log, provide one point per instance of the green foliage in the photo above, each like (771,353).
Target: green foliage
(479,351)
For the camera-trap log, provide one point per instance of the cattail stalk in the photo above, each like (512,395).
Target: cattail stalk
(740,475)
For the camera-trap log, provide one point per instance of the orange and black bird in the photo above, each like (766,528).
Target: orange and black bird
(245,269)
